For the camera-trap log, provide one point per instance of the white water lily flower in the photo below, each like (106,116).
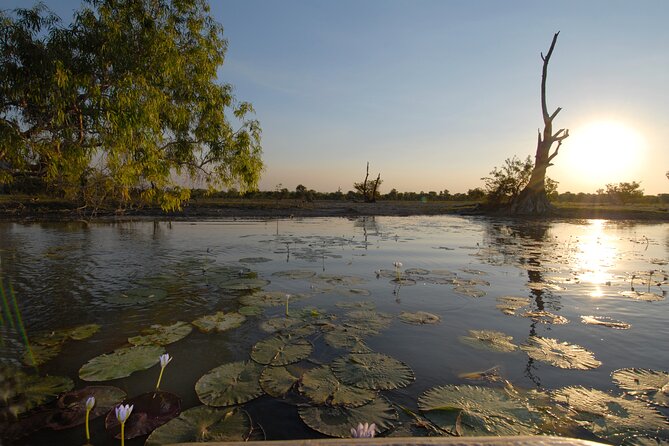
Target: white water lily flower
(397,264)
(90,402)
(165,359)
(123,412)
(364,431)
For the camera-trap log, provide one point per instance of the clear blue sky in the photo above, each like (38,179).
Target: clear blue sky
(434,94)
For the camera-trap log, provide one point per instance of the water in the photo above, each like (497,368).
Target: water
(63,275)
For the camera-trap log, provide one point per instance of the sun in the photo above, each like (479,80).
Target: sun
(603,152)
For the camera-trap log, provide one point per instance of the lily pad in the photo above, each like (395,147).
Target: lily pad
(121,363)
(322,387)
(250,310)
(277,381)
(489,340)
(372,371)
(344,337)
(473,410)
(560,354)
(336,421)
(22,392)
(40,354)
(509,304)
(281,350)
(203,424)
(612,417)
(150,411)
(469,291)
(279,324)
(295,274)
(419,318)
(254,260)
(546,317)
(265,299)
(162,334)
(648,385)
(338,280)
(352,292)
(605,322)
(83,331)
(72,405)
(368,321)
(230,384)
(644,296)
(136,296)
(220,321)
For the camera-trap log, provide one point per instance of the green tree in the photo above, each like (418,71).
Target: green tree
(624,192)
(129,92)
(505,183)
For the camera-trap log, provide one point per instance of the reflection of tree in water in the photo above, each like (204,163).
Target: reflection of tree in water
(527,245)
(369,226)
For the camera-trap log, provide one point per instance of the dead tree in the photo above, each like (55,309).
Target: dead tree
(369,189)
(533,200)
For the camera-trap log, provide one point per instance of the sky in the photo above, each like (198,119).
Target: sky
(435,94)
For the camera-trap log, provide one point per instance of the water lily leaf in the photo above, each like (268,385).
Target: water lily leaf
(605,322)
(344,337)
(352,292)
(509,304)
(475,272)
(162,334)
(473,410)
(368,321)
(469,291)
(338,280)
(265,299)
(220,321)
(336,421)
(229,384)
(403,281)
(38,390)
(372,371)
(203,424)
(546,317)
(361,305)
(560,354)
(489,340)
(279,324)
(40,354)
(648,385)
(360,347)
(150,410)
(250,310)
(644,441)
(281,350)
(277,381)
(72,405)
(322,387)
(83,331)
(612,417)
(417,271)
(242,283)
(254,260)
(295,274)
(544,286)
(491,375)
(640,295)
(419,318)
(136,296)
(121,363)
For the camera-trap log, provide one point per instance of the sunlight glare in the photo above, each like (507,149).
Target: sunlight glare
(595,256)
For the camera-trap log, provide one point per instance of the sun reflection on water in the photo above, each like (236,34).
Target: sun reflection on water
(595,256)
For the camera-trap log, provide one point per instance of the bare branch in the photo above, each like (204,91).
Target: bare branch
(544,75)
(559,109)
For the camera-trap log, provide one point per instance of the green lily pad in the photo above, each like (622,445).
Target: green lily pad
(322,387)
(368,321)
(72,405)
(295,274)
(281,350)
(250,310)
(419,318)
(336,421)
(203,424)
(644,296)
(230,384)
(57,337)
(344,337)
(372,371)
(136,296)
(150,411)
(338,280)
(83,331)
(605,322)
(546,317)
(560,354)
(242,283)
(277,381)
(352,292)
(417,271)
(612,417)
(40,354)
(121,363)
(509,304)
(265,299)
(648,385)
(279,324)
(220,321)
(162,334)
(361,305)
(469,291)
(473,410)
(489,340)
(30,391)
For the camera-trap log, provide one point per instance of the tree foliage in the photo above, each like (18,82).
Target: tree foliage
(369,189)
(127,93)
(624,192)
(506,182)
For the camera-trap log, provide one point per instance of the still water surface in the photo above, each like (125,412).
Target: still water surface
(67,274)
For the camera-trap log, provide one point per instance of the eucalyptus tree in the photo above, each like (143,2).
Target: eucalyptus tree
(125,99)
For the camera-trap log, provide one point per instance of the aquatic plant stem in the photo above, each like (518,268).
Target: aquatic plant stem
(88,431)
(19,322)
(123,434)
(160,376)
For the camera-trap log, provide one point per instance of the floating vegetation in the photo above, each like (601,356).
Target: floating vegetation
(416,272)
(509,304)
(21,392)
(560,354)
(611,417)
(469,291)
(322,387)
(254,260)
(403,281)
(360,305)
(475,272)
(295,274)
(419,318)
(544,286)
(605,322)
(203,424)
(336,421)
(121,363)
(281,350)
(137,296)
(220,321)
(230,384)
(242,283)
(72,405)
(277,381)
(352,292)
(37,355)
(489,340)
(546,317)
(491,375)
(279,324)
(644,296)
(267,298)
(250,310)
(344,337)
(648,385)
(368,321)
(472,410)
(162,334)
(338,280)
(372,371)
(150,411)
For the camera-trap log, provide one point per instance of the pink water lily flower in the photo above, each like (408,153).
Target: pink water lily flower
(364,430)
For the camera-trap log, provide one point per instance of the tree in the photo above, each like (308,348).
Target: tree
(129,92)
(505,183)
(533,199)
(369,189)
(624,192)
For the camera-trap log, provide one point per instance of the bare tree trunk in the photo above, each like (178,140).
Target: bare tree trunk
(533,200)
(364,185)
(375,187)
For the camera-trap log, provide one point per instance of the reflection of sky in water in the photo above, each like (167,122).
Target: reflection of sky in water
(595,256)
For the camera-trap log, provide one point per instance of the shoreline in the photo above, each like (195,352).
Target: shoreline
(28,210)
